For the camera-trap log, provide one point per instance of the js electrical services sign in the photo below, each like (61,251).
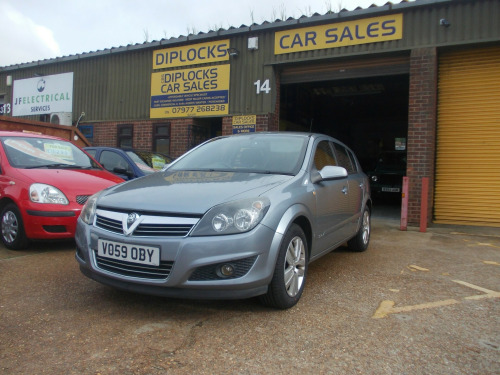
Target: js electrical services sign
(43,95)
(190,92)
(368,30)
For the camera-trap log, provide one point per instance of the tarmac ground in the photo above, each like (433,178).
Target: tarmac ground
(413,303)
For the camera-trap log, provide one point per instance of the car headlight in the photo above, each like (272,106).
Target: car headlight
(43,193)
(88,211)
(233,217)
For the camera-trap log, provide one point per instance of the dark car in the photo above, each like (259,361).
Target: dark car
(129,164)
(236,217)
(387,177)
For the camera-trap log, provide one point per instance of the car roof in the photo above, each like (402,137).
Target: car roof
(29,134)
(102,148)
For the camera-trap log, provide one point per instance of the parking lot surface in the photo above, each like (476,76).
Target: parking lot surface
(413,303)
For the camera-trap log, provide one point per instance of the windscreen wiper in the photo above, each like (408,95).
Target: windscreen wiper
(56,166)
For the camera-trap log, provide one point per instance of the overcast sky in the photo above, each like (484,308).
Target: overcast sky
(33,30)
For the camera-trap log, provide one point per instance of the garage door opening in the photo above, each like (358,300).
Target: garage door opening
(368,114)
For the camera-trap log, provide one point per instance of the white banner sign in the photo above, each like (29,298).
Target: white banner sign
(43,95)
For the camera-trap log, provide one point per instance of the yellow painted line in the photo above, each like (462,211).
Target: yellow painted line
(387,307)
(491,262)
(487,292)
(417,268)
(485,244)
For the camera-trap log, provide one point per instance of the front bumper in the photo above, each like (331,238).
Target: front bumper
(50,221)
(189,258)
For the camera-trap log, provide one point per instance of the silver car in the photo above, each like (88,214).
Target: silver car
(236,217)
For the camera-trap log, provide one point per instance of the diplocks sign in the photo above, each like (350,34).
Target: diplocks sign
(43,95)
(190,92)
(201,53)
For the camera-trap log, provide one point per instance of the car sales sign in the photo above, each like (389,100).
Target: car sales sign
(190,92)
(350,33)
(43,95)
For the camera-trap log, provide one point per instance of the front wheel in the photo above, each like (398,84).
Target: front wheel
(13,236)
(290,271)
(360,241)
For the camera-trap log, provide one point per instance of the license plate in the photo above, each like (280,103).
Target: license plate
(128,252)
(391,190)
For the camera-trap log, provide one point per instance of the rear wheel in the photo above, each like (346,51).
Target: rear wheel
(13,235)
(360,241)
(290,271)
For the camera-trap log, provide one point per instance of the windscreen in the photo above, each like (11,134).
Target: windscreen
(28,152)
(149,162)
(260,153)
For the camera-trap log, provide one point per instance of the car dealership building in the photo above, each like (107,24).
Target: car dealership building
(420,77)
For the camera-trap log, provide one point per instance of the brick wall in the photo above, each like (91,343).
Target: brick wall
(264,123)
(421,129)
(179,136)
(143,135)
(105,134)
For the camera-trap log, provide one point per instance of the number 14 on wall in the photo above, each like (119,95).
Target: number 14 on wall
(264,87)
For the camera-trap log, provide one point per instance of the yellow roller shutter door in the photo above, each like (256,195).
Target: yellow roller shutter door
(467,187)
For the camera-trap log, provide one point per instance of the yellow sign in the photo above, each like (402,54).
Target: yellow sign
(190,92)
(193,54)
(245,120)
(244,124)
(368,30)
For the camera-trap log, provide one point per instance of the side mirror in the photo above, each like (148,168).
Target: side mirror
(329,173)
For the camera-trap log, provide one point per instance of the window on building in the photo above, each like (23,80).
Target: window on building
(161,138)
(125,136)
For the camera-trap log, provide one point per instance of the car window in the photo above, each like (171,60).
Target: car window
(281,154)
(323,156)
(91,152)
(353,161)
(111,160)
(29,152)
(148,162)
(395,160)
(343,158)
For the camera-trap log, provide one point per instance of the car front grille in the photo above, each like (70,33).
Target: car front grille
(81,199)
(151,226)
(135,270)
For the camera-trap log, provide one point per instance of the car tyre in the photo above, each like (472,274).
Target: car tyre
(290,271)
(13,235)
(361,240)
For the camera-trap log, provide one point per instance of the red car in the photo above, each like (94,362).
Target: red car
(44,183)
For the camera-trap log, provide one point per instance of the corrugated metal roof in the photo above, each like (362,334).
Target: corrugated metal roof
(265,26)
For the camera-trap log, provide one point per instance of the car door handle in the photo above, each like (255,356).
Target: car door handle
(344,190)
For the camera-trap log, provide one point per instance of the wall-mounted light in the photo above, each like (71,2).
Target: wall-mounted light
(9,81)
(444,22)
(233,52)
(82,115)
